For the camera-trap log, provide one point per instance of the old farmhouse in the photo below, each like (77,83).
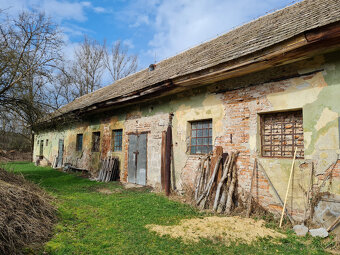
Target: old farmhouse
(264,89)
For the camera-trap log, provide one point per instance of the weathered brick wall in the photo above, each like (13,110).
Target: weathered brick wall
(154,126)
(241,132)
(241,120)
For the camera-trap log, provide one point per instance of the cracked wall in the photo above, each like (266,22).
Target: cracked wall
(314,87)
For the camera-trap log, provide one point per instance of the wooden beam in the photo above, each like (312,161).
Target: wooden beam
(298,48)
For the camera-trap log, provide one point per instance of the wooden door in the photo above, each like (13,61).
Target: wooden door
(137,159)
(60,153)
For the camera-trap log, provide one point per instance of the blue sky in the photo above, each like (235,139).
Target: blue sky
(153,29)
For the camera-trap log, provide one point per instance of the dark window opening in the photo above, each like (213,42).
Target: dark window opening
(201,137)
(281,133)
(117,139)
(79,142)
(41,148)
(95,141)
(46,142)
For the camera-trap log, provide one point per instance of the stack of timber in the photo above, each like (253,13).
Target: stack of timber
(109,170)
(209,188)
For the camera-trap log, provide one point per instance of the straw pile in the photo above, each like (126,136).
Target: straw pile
(26,215)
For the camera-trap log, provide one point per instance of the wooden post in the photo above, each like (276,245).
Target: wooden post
(250,190)
(163,159)
(290,177)
(168,150)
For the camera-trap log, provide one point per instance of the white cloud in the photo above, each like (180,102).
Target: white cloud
(128,43)
(182,24)
(140,20)
(87,4)
(64,10)
(58,9)
(99,9)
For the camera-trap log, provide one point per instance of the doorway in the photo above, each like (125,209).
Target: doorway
(60,153)
(137,159)
(41,153)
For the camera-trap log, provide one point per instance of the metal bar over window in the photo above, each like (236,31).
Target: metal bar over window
(281,133)
(201,137)
(117,139)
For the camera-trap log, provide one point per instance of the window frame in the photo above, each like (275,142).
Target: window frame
(195,126)
(296,132)
(78,147)
(94,147)
(114,135)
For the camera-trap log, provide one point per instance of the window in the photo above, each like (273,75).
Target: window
(281,133)
(95,141)
(38,142)
(117,138)
(46,142)
(201,137)
(79,142)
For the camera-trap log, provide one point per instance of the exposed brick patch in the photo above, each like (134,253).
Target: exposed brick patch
(241,118)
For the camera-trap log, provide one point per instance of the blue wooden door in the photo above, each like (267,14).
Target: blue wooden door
(137,159)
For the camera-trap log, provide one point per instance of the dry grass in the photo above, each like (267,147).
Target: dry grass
(225,229)
(26,215)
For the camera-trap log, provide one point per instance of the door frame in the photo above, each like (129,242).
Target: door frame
(146,145)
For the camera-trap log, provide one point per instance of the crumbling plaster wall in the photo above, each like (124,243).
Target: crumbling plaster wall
(317,95)
(234,114)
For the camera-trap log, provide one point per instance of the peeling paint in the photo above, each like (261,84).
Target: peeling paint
(234,113)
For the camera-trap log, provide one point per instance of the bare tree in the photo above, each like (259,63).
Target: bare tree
(30,50)
(118,62)
(29,44)
(62,90)
(88,67)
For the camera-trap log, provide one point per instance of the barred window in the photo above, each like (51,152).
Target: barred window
(95,141)
(281,133)
(201,137)
(117,139)
(79,142)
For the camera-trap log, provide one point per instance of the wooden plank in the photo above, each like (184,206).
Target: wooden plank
(167,172)
(163,149)
(251,188)
(330,228)
(327,32)
(289,180)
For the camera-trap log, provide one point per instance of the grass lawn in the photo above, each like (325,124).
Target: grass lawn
(94,223)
